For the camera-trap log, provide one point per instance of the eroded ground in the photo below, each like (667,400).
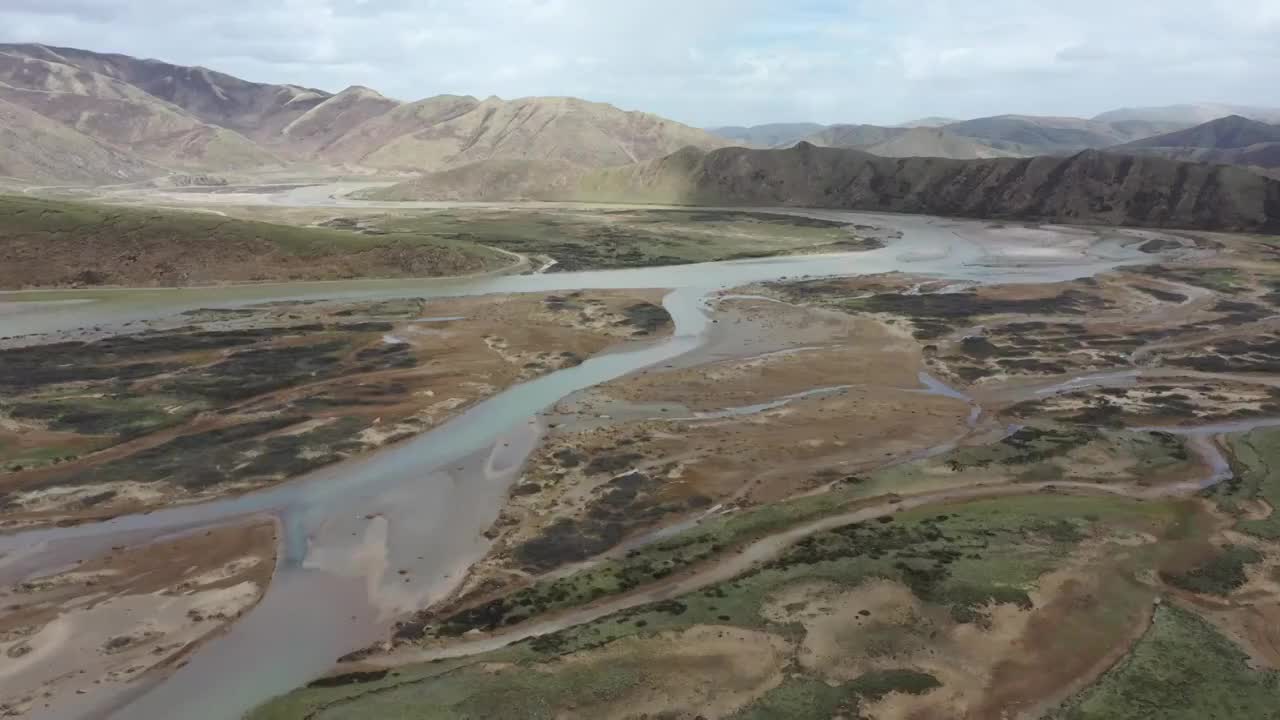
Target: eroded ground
(238,399)
(76,635)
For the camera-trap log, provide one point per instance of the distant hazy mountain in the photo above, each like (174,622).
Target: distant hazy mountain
(1188,115)
(853,136)
(932,121)
(934,142)
(997,136)
(771,135)
(1091,186)
(1232,139)
(1036,135)
(152,117)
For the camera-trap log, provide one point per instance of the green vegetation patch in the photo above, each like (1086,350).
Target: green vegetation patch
(1221,279)
(118,415)
(583,240)
(963,557)
(59,221)
(84,244)
(936,314)
(806,698)
(983,552)
(1255,462)
(1220,574)
(250,451)
(1182,669)
(1027,455)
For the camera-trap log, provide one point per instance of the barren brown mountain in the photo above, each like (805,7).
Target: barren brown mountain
(490,180)
(191,119)
(256,110)
(34,148)
(446,132)
(125,117)
(1090,187)
(319,128)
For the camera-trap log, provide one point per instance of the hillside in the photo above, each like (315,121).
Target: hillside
(558,129)
(259,111)
(47,243)
(325,124)
(488,180)
(1091,187)
(191,119)
(36,149)
(124,117)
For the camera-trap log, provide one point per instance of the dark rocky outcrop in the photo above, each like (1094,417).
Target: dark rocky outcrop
(1089,187)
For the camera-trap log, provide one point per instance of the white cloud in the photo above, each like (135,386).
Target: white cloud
(712,61)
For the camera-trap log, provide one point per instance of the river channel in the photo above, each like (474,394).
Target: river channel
(423,504)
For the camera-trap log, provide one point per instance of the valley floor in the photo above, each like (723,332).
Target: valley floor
(1034,480)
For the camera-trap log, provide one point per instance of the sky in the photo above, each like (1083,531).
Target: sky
(712,62)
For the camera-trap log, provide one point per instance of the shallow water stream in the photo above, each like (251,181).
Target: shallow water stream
(421,506)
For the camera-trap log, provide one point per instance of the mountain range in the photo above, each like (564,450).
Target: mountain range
(77,117)
(1089,187)
(995,136)
(83,117)
(1234,140)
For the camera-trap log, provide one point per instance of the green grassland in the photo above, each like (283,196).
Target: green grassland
(1032,454)
(49,242)
(583,240)
(1256,466)
(961,560)
(1182,669)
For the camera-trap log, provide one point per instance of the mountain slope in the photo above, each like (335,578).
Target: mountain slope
(1233,139)
(192,119)
(123,116)
(326,123)
(1090,187)
(256,110)
(447,132)
(769,135)
(36,149)
(489,180)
